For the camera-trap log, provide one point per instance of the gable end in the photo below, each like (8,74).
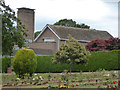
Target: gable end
(43,32)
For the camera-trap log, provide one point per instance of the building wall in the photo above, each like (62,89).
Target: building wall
(48,34)
(64,42)
(51,46)
(27,17)
(83,43)
(40,44)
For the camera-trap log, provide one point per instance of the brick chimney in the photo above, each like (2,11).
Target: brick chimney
(26,15)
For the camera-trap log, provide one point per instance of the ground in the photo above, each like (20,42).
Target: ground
(100,79)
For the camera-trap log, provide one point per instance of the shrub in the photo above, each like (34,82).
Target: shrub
(106,45)
(6,62)
(71,53)
(107,60)
(44,64)
(25,61)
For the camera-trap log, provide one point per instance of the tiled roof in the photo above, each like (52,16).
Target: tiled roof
(79,33)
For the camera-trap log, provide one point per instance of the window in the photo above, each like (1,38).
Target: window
(28,40)
(49,40)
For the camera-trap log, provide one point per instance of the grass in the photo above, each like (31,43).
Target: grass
(75,80)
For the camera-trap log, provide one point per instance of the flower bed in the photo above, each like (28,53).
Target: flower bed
(64,80)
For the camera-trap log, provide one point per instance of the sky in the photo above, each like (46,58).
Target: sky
(98,14)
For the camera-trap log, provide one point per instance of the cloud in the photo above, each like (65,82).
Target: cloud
(87,9)
(96,13)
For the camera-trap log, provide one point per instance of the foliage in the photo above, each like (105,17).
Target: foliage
(105,60)
(96,45)
(12,34)
(36,34)
(6,62)
(25,62)
(44,64)
(99,44)
(70,23)
(112,44)
(71,52)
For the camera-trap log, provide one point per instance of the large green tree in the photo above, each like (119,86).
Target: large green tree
(72,52)
(13,31)
(71,23)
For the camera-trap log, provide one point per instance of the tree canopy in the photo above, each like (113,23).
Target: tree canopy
(106,45)
(71,23)
(13,31)
(72,53)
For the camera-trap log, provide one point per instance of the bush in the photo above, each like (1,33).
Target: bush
(107,60)
(44,64)
(6,62)
(25,61)
(106,45)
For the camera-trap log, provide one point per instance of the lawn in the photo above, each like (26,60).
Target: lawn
(100,79)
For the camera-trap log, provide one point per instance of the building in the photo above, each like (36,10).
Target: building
(53,36)
(26,15)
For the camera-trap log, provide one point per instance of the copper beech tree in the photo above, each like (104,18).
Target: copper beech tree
(103,45)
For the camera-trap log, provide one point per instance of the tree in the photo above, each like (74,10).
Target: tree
(106,45)
(83,26)
(70,23)
(13,31)
(96,45)
(37,33)
(112,44)
(72,53)
(25,62)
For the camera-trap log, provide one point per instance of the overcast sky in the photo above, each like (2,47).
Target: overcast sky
(99,14)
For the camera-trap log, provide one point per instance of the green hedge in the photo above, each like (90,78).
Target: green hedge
(107,60)
(6,62)
(44,64)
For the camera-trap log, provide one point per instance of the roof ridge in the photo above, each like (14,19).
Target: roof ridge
(77,28)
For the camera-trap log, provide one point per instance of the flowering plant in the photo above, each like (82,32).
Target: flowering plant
(49,77)
(114,85)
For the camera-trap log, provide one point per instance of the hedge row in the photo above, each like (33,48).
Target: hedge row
(6,62)
(107,60)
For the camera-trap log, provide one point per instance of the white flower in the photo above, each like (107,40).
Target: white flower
(18,78)
(33,78)
(40,77)
(35,74)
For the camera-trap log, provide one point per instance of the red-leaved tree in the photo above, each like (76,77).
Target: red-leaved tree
(112,44)
(103,45)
